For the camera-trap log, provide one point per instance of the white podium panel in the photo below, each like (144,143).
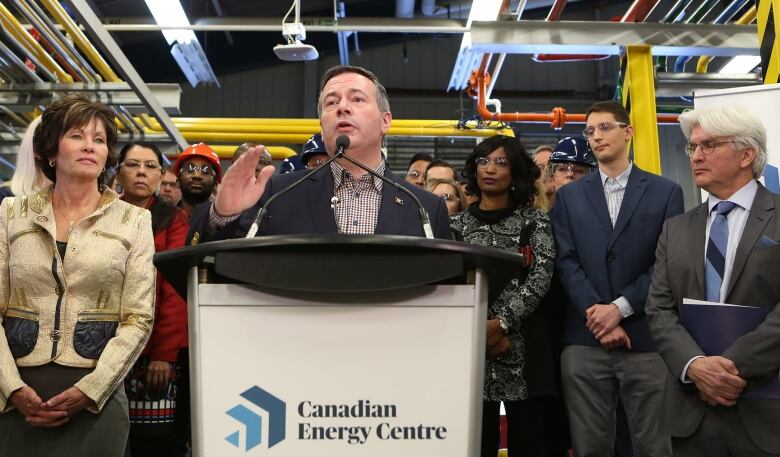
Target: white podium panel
(380,374)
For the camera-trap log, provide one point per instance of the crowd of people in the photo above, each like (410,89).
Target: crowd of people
(585,346)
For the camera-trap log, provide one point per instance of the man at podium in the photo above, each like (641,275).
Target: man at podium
(342,197)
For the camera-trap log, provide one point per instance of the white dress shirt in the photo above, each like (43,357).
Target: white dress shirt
(614,191)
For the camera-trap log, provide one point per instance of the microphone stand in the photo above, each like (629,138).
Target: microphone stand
(261,214)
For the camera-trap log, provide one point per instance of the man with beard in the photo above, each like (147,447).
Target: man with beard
(199,172)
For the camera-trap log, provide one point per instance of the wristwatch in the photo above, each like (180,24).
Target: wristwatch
(503,325)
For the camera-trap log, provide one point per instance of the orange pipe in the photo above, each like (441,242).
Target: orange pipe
(557,118)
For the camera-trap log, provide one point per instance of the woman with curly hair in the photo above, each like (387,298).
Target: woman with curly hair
(502,174)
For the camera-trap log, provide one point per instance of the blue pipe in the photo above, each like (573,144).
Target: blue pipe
(726,15)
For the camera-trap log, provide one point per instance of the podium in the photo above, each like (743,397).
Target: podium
(333,345)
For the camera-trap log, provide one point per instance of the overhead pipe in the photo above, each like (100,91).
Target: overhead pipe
(12,60)
(637,12)
(225,151)
(311,122)
(28,55)
(676,14)
(557,118)
(704,61)
(9,22)
(58,12)
(66,44)
(48,38)
(728,12)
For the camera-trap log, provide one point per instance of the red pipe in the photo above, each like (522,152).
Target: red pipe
(557,118)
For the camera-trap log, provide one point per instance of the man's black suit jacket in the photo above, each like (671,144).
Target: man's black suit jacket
(306,209)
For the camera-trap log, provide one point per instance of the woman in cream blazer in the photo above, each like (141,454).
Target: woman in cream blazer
(76,294)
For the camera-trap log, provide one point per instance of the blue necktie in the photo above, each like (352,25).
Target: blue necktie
(715,266)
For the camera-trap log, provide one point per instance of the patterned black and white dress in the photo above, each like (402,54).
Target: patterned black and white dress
(512,230)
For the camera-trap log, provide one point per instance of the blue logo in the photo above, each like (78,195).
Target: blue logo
(254,423)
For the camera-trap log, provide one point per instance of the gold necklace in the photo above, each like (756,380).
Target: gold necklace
(71,222)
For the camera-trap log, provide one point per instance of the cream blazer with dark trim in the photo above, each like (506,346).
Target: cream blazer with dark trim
(92,309)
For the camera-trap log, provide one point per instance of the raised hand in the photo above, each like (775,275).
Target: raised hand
(240,188)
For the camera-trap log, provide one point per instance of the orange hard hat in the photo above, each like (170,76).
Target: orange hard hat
(198,150)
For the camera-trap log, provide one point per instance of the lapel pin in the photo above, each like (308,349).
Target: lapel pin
(398,201)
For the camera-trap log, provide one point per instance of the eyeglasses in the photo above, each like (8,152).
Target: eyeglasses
(414,173)
(570,168)
(134,165)
(499,162)
(707,147)
(604,127)
(191,168)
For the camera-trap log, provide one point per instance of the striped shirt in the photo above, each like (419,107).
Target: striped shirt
(357,207)
(614,190)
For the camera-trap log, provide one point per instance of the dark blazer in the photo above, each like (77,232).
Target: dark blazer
(598,264)
(679,273)
(306,210)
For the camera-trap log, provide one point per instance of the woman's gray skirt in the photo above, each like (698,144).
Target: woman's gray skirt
(85,434)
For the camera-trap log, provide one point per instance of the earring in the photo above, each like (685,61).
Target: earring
(51,163)
(512,188)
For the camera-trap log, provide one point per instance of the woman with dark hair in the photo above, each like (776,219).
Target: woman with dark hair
(150,385)
(503,176)
(76,293)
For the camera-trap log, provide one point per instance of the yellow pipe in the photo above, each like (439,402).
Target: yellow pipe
(277,152)
(303,137)
(309,122)
(745,19)
(266,138)
(291,126)
(641,88)
(9,22)
(56,10)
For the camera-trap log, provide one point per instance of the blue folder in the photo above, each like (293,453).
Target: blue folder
(716,326)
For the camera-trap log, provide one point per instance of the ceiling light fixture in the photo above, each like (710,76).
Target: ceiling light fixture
(295,33)
(185,47)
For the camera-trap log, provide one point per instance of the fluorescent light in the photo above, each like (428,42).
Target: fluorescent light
(740,65)
(170,13)
(484,10)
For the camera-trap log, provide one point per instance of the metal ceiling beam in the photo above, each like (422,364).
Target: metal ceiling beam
(683,84)
(105,42)
(312,24)
(24,97)
(574,37)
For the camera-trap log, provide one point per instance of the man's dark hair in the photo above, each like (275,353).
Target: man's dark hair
(421,156)
(381,93)
(523,170)
(609,106)
(444,164)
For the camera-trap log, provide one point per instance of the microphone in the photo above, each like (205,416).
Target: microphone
(342,143)
(425,220)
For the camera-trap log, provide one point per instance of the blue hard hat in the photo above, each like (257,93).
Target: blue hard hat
(313,147)
(573,149)
(292,163)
